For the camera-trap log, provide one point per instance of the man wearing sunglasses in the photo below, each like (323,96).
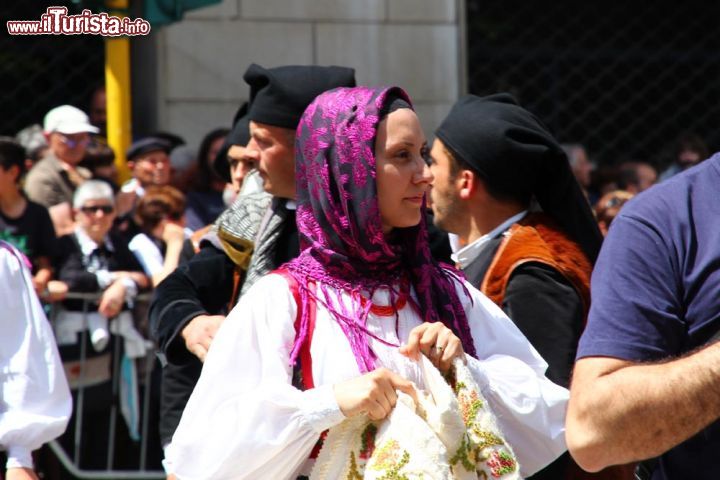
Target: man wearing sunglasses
(52,181)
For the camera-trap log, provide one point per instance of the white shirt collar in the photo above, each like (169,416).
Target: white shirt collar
(88,245)
(291,205)
(466,255)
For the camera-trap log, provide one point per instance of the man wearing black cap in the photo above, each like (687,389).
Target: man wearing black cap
(252,237)
(491,158)
(149,161)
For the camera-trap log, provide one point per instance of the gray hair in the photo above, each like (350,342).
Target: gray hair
(31,138)
(93,190)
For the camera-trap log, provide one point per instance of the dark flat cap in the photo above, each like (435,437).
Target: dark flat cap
(239,135)
(147,145)
(511,149)
(281,94)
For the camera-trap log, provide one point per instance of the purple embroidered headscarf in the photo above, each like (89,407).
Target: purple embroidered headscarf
(341,239)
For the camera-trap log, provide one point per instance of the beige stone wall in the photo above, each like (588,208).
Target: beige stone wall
(412,43)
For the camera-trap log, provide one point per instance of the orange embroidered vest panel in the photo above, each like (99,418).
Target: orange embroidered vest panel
(537,239)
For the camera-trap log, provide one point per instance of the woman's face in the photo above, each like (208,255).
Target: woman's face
(403,177)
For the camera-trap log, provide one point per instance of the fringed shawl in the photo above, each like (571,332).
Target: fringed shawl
(341,239)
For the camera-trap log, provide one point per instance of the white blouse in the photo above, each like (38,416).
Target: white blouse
(245,419)
(147,253)
(35,402)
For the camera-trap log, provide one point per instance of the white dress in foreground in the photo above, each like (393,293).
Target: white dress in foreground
(35,402)
(245,420)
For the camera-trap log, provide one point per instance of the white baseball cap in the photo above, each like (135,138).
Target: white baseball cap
(68,119)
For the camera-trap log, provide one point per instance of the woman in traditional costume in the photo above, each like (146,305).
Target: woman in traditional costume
(338,331)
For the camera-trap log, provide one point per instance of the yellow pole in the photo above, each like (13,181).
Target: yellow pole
(117,91)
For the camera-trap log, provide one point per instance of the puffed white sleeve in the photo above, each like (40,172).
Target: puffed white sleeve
(511,373)
(35,402)
(244,419)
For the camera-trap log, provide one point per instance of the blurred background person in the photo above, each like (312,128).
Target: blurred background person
(100,160)
(604,180)
(636,176)
(689,151)
(580,163)
(149,164)
(609,205)
(24,223)
(34,142)
(182,156)
(159,215)
(98,109)
(54,179)
(203,185)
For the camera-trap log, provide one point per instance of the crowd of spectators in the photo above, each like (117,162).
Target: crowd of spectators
(63,205)
(95,245)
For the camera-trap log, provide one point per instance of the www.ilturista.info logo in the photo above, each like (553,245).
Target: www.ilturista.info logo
(56,21)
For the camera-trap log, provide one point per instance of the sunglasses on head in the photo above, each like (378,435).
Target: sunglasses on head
(106,209)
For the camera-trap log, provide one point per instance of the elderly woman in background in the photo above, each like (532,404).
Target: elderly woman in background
(92,260)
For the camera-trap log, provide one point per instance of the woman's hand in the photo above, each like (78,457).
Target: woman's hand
(372,393)
(435,341)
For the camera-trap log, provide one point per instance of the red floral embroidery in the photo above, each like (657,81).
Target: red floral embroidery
(501,463)
(368,441)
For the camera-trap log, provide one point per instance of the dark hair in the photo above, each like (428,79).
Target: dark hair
(457,164)
(693,143)
(12,153)
(627,176)
(157,204)
(200,176)
(98,154)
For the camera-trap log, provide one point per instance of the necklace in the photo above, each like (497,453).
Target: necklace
(392,309)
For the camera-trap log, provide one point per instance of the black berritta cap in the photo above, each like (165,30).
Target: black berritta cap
(281,94)
(513,150)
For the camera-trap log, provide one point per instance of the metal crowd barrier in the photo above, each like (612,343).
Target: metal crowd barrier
(71,462)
